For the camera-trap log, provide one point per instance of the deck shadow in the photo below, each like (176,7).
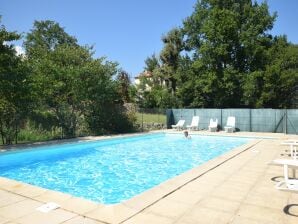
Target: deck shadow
(277,178)
(287,209)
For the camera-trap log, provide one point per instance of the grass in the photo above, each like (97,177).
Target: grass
(151,118)
(36,135)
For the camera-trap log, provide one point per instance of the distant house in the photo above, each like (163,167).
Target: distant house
(149,76)
(145,74)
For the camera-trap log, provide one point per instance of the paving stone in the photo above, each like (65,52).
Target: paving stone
(79,206)
(168,208)
(145,218)
(263,214)
(53,196)
(201,215)
(7,198)
(219,204)
(82,220)
(3,220)
(53,217)
(112,214)
(19,209)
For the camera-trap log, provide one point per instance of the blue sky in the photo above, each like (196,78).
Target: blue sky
(124,31)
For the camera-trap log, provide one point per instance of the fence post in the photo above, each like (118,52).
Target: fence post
(286,119)
(221,119)
(142,120)
(284,122)
(250,129)
(275,117)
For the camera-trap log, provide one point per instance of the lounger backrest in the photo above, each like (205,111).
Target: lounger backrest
(195,121)
(231,122)
(180,122)
(213,123)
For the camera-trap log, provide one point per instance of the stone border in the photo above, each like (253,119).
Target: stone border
(4,148)
(121,212)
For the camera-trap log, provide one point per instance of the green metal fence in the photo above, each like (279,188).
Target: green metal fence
(151,119)
(254,120)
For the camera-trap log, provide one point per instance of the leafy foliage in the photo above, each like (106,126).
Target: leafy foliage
(15,88)
(281,75)
(58,84)
(124,85)
(224,56)
(151,63)
(229,41)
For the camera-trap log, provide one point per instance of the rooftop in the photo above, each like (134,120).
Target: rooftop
(146,74)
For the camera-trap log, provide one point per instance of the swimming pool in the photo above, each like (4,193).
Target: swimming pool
(111,171)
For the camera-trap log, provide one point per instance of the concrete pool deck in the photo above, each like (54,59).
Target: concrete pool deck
(237,187)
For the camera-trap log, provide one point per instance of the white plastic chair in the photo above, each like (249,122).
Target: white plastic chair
(194,123)
(213,125)
(230,127)
(179,125)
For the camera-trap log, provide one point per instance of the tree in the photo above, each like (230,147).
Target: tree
(57,62)
(15,88)
(124,85)
(228,41)
(151,63)
(169,56)
(46,36)
(72,85)
(160,89)
(105,112)
(280,78)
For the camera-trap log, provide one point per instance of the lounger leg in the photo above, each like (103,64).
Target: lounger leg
(292,151)
(286,176)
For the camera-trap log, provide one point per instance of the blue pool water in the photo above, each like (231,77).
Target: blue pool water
(111,171)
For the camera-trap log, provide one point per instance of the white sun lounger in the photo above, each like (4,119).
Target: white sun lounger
(213,125)
(290,162)
(288,184)
(289,141)
(293,148)
(194,123)
(230,127)
(179,125)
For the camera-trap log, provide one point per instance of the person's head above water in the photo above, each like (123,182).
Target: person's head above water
(186,134)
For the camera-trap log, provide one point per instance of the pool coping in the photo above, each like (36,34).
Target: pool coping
(121,212)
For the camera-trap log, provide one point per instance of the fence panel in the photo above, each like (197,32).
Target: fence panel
(152,119)
(255,120)
(205,116)
(169,114)
(292,121)
(182,114)
(242,117)
(279,121)
(265,120)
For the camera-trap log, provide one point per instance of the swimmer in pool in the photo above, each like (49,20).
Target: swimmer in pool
(186,135)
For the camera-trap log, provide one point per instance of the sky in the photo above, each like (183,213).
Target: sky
(126,31)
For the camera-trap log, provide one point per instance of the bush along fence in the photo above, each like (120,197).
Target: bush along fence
(252,120)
